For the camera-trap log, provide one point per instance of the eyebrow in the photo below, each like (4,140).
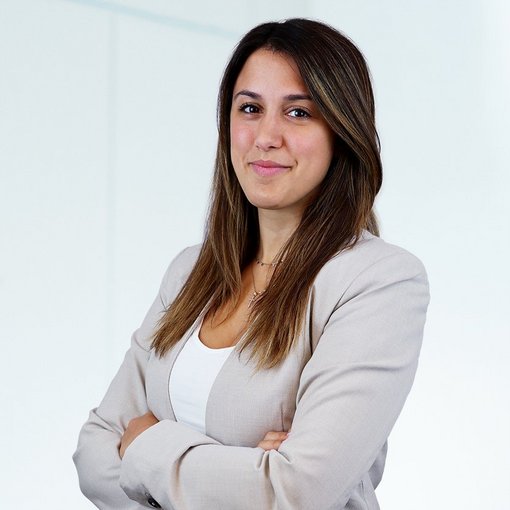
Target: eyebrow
(290,97)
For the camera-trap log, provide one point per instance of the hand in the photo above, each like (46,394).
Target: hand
(272,440)
(135,427)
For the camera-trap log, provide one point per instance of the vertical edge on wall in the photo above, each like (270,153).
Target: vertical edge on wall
(111,183)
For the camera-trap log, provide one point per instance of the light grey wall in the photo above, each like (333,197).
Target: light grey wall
(107,137)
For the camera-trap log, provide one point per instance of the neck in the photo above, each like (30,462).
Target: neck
(275,229)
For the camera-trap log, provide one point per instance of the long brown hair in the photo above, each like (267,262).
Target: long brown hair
(338,80)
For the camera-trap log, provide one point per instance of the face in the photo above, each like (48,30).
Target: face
(281,147)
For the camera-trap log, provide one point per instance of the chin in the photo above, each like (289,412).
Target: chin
(264,203)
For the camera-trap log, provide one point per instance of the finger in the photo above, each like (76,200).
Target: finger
(273,435)
(270,445)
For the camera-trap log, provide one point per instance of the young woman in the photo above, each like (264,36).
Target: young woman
(272,366)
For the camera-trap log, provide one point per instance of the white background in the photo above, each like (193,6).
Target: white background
(107,138)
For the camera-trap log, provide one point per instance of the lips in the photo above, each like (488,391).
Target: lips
(267,168)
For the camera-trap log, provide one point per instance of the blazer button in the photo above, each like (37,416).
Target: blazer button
(152,502)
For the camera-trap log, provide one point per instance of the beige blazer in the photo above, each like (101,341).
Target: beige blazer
(341,390)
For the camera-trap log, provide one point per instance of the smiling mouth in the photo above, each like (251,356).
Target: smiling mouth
(268,168)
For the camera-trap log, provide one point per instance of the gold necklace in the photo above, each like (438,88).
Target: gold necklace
(272,264)
(256,294)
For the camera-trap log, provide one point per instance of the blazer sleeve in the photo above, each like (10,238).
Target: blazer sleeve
(350,394)
(97,457)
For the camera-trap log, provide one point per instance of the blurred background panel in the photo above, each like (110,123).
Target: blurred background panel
(107,142)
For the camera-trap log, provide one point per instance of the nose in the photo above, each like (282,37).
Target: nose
(269,133)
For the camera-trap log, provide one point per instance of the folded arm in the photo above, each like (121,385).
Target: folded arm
(351,392)
(97,457)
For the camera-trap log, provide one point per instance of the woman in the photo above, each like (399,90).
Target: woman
(272,365)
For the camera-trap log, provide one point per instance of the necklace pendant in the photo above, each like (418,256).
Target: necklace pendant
(254,298)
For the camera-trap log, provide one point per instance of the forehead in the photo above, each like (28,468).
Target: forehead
(270,73)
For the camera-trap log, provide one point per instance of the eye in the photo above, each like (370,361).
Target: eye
(249,108)
(299,113)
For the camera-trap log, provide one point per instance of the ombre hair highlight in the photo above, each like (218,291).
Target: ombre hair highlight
(338,81)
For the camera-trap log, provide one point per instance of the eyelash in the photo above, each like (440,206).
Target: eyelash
(303,114)
(244,106)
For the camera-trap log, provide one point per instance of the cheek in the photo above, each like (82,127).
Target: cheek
(317,151)
(327,146)
(241,139)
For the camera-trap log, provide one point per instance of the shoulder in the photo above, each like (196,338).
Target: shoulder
(371,262)
(184,261)
(178,271)
(370,251)
(374,280)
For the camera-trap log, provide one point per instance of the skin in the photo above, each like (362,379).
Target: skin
(135,427)
(271,120)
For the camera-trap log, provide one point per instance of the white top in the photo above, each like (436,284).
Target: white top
(191,380)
